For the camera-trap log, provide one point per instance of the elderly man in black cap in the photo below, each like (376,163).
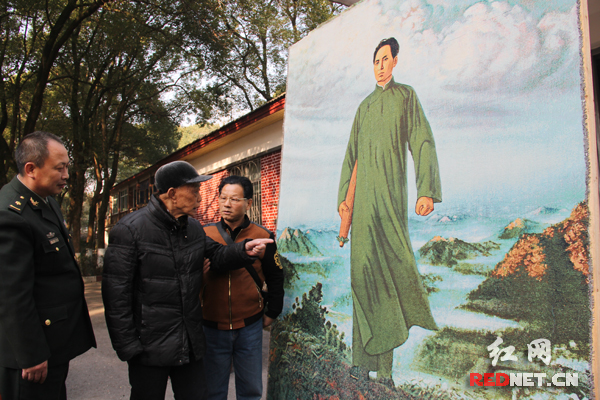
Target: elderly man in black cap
(152,278)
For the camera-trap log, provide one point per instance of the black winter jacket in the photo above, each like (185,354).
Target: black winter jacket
(151,284)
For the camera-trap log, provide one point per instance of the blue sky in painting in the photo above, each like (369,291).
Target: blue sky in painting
(500,83)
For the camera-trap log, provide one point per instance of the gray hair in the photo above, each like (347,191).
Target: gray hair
(34,148)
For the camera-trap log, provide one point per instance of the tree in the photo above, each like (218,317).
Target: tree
(32,34)
(248,64)
(117,66)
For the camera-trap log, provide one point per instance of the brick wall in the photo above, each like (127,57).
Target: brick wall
(209,208)
(269,182)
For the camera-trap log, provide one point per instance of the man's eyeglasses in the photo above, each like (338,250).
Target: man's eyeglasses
(234,200)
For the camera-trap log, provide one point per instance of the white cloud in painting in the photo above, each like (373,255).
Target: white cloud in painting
(492,47)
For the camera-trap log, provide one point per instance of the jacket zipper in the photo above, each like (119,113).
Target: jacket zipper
(230,317)
(257,288)
(229,273)
(260,299)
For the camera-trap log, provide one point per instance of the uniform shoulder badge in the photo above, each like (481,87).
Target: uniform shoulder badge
(277,260)
(17,204)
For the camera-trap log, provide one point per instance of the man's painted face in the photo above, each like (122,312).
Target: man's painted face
(51,178)
(384,65)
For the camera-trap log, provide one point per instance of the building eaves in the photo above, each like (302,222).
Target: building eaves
(271,107)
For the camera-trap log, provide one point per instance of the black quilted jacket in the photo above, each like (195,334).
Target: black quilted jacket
(151,284)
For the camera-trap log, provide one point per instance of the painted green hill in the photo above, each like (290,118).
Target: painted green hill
(448,252)
(518,227)
(295,241)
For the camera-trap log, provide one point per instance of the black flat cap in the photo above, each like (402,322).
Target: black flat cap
(175,174)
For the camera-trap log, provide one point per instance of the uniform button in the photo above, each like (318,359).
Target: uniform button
(48,322)
(57,249)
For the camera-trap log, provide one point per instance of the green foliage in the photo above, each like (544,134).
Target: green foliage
(32,35)
(291,271)
(309,360)
(466,268)
(429,281)
(449,251)
(453,352)
(309,345)
(99,84)
(192,133)
(247,66)
(309,315)
(145,144)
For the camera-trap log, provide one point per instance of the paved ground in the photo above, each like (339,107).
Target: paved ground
(100,375)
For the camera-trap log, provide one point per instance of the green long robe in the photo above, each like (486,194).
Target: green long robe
(387,291)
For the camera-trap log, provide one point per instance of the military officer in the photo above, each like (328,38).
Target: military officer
(44,320)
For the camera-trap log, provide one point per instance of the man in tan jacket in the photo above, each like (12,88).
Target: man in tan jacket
(234,305)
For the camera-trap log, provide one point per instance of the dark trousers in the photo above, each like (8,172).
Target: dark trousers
(14,387)
(150,383)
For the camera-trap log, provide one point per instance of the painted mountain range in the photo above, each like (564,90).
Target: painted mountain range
(548,272)
(442,251)
(295,241)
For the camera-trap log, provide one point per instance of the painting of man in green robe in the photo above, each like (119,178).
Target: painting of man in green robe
(388,296)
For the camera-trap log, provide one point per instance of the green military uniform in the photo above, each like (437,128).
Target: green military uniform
(43,313)
(387,293)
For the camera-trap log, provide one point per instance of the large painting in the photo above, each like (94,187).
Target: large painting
(433,216)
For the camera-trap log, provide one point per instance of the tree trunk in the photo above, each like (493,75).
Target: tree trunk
(78,168)
(110,176)
(90,242)
(76,192)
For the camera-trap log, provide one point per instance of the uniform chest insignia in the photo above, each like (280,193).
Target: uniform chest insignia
(55,240)
(35,203)
(50,235)
(277,260)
